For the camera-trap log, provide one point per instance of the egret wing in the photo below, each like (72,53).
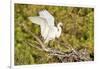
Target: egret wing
(45,14)
(37,20)
(43,24)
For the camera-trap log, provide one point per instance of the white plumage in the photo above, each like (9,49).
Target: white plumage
(46,21)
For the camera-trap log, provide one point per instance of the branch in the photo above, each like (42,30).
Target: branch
(43,46)
(53,52)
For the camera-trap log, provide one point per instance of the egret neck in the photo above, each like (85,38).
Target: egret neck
(59,29)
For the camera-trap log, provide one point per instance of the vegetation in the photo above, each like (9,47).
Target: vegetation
(77,35)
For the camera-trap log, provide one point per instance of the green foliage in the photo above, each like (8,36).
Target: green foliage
(77,32)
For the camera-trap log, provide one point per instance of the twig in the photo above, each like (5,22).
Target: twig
(30,44)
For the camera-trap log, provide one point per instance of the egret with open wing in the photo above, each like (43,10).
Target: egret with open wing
(46,21)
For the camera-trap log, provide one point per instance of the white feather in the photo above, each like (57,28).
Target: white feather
(45,14)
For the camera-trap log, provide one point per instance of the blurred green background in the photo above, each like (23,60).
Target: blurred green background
(77,32)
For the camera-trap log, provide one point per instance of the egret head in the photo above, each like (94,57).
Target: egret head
(60,24)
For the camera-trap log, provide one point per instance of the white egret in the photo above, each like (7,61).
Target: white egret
(46,21)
